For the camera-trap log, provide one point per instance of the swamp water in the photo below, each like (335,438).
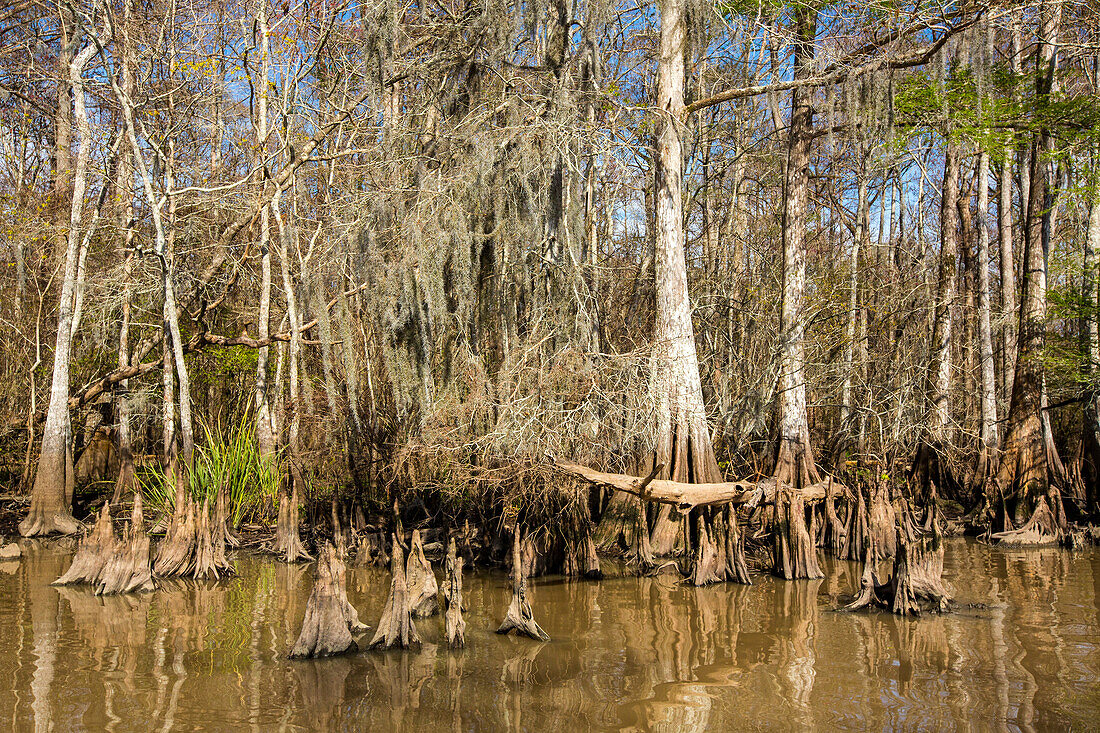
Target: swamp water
(627,653)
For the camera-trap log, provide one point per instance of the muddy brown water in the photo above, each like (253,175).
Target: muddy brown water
(627,653)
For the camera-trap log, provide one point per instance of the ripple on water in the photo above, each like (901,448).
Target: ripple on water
(635,653)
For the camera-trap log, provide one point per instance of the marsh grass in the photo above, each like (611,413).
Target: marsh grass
(227,457)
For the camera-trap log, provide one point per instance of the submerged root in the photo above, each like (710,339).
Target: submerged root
(129,570)
(422,585)
(454,624)
(615,532)
(719,549)
(795,556)
(538,553)
(993,515)
(579,558)
(330,621)
(39,523)
(666,537)
(520,619)
(222,531)
(931,472)
(869,585)
(619,524)
(856,536)
(176,554)
(93,553)
(1042,529)
(881,521)
(640,554)
(916,585)
(396,628)
(833,531)
(918,571)
(288,545)
(338,537)
(563,545)
(371,550)
(709,563)
(210,559)
(737,570)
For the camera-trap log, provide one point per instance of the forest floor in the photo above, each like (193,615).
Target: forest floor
(12,510)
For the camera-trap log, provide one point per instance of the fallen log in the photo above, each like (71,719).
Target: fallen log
(688,496)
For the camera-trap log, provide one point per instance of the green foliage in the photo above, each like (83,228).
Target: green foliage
(1003,109)
(235,359)
(1066,357)
(211,367)
(230,458)
(730,9)
(156,492)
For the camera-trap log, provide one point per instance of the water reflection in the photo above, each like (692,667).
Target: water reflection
(39,562)
(642,654)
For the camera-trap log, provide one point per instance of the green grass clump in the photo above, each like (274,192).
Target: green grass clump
(229,458)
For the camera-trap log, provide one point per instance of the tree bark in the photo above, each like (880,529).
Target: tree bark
(422,585)
(1008,275)
(62,194)
(519,619)
(794,462)
(130,570)
(1091,297)
(93,553)
(265,432)
(331,621)
(940,365)
(454,624)
(929,468)
(683,437)
(853,301)
(396,628)
(51,497)
(287,542)
(1025,465)
(795,554)
(988,431)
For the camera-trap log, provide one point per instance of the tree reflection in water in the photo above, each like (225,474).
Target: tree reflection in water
(644,654)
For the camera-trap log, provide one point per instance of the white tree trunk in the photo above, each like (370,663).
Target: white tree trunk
(794,463)
(940,356)
(683,442)
(51,497)
(265,426)
(1008,275)
(853,302)
(988,433)
(681,415)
